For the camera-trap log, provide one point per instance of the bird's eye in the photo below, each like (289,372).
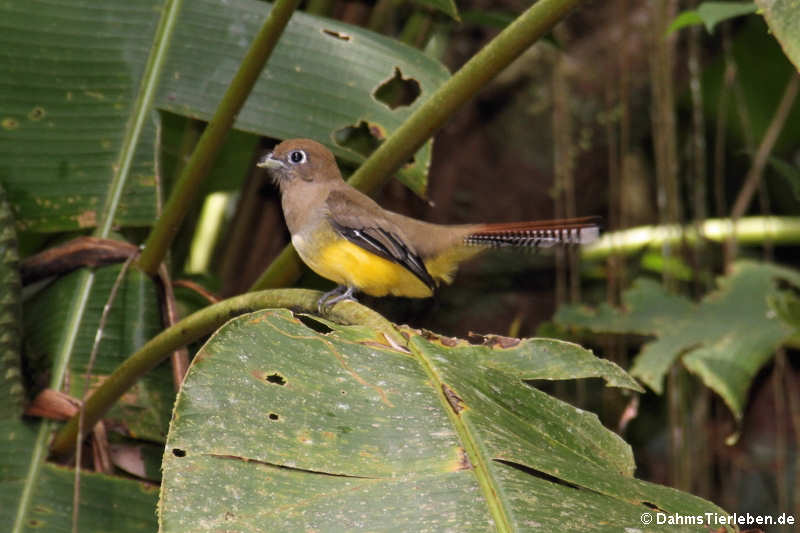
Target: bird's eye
(297,157)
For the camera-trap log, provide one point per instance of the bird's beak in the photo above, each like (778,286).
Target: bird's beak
(269,162)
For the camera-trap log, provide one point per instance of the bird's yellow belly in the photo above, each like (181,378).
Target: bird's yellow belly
(345,263)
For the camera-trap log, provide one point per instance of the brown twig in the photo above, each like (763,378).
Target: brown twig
(756,172)
(199,289)
(79,252)
(180,358)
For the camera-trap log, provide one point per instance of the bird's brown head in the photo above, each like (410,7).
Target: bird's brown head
(300,159)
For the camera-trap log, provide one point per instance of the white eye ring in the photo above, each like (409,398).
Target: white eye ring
(297,157)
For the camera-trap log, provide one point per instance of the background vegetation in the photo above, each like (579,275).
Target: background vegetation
(675,121)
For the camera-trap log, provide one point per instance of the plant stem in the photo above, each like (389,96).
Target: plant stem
(417,28)
(210,143)
(193,328)
(749,230)
(765,148)
(432,114)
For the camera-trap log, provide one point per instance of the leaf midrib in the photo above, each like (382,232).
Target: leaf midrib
(486,481)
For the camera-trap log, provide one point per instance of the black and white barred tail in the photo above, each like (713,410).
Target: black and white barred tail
(540,234)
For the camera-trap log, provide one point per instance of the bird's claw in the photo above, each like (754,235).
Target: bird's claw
(331,298)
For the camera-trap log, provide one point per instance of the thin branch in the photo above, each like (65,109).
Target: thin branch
(180,357)
(765,148)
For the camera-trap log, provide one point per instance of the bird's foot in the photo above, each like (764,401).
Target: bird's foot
(330,298)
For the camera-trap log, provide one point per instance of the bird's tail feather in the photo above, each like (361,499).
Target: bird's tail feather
(539,234)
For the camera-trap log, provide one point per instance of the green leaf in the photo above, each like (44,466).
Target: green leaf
(788,172)
(322,77)
(36,493)
(448,7)
(133,319)
(77,151)
(783,19)
(106,503)
(712,13)
(322,428)
(724,340)
(11,388)
(687,18)
(70,71)
(489,18)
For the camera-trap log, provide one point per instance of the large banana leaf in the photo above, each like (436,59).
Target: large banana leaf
(69,75)
(283,427)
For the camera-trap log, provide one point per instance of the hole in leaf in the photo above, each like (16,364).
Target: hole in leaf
(363,138)
(273,416)
(336,34)
(319,327)
(277,379)
(397,91)
(652,506)
(537,473)
(177,452)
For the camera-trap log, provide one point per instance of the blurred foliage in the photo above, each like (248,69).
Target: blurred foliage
(724,340)
(712,13)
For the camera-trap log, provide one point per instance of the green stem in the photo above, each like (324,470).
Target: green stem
(195,327)
(210,143)
(432,114)
(417,29)
(747,231)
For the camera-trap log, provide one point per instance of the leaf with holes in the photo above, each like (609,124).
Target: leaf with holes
(320,428)
(324,79)
(72,70)
(724,340)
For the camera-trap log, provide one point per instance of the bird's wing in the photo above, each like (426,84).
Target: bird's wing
(363,224)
